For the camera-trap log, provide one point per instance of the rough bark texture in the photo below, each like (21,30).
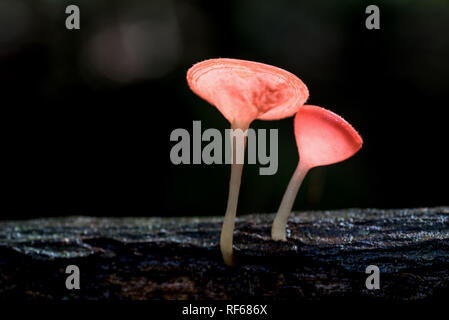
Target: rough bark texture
(179,258)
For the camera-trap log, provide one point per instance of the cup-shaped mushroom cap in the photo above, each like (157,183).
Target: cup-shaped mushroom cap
(323,137)
(244,90)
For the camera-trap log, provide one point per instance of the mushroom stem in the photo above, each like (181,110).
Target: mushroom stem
(227,230)
(280,221)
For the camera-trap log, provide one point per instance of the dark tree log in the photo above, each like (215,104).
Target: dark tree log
(179,258)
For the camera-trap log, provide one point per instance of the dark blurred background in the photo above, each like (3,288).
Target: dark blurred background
(87,114)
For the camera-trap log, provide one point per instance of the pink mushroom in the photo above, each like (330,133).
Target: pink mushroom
(244,91)
(322,138)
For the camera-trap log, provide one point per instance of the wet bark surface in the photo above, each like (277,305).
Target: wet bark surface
(325,257)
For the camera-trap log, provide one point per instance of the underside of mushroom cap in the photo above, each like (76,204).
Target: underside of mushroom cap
(324,137)
(244,90)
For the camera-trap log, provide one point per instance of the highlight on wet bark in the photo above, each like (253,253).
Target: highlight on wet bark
(322,138)
(244,91)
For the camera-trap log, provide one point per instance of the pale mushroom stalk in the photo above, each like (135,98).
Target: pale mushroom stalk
(280,221)
(227,230)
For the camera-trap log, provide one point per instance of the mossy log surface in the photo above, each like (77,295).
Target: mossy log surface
(179,258)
